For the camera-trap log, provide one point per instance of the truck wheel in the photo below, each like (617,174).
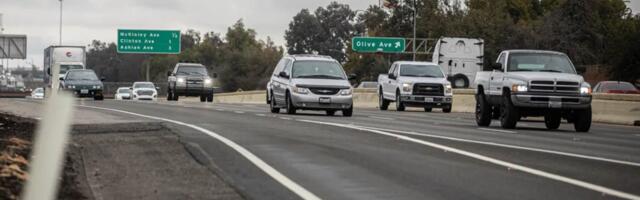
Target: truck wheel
(331,112)
(552,120)
(175,96)
(169,96)
(460,81)
(210,98)
(428,109)
(203,98)
(291,109)
(510,114)
(348,112)
(446,109)
(383,104)
(272,105)
(483,111)
(582,120)
(399,104)
(98,97)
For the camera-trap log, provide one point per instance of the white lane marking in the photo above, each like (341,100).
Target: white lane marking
(509,165)
(622,162)
(275,174)
(239,112)
(383,118)
(496,130)
(261,115)
(219,109)
(285,118)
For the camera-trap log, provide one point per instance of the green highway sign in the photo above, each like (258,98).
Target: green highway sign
(149,41)
(378,44)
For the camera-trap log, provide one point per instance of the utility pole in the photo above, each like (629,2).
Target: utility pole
(60,41)
(415,12)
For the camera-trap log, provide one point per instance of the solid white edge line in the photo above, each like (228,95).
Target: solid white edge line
(622,162)
(529,170)
(383,118)
(496,130)
(275,174)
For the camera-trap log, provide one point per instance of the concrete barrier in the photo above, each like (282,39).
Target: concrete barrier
(609,108)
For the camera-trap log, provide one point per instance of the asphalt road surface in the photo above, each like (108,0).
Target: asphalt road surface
(397,155)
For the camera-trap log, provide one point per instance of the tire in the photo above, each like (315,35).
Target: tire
(383,104)
(331,112)
(426,109)
(348,112)
(267,98)
(169,95)
(175,96)
(582,120)
(510,114)
(446,109)
(399,104)
(483,111)
(210,98)
(552,120)
(460,81)
(98,98)
(291,109)
(272,105)
(203,98)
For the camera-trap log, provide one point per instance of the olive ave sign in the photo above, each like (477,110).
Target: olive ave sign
(378,44)
(148,41)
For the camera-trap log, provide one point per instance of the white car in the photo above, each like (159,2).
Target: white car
(38,93)
(144,91)
(123,93)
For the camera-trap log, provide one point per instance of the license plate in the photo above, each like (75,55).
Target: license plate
(324,100)
(84,91)
(555,104)
(428,100)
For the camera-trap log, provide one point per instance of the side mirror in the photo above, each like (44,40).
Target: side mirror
(103,78)
(283,74)
(352,76)
(169,73)
(61,78)
(496,66)
(131,88)
(391,76)
(49,71)
(215,75)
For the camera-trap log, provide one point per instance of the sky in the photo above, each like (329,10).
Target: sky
(86,20)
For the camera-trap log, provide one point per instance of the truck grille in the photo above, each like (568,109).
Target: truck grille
(325,91)
(429,89)
(144,92)
(554,86)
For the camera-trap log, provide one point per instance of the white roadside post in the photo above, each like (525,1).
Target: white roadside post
(49,147)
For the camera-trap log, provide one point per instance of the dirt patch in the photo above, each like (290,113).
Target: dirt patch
(16,136)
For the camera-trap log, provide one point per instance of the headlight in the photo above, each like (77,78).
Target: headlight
(448,89)
(346,92)
(207,81)
(180,80)
(585,89)
(406,87)
(519,88)
(70,87)
(300,90)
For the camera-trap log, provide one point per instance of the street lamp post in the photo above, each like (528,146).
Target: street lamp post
(60,39)
(415,12)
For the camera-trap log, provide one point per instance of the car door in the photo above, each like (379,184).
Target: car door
(281,83)
(387,87)
(273,84)
(393,85)
(497,76)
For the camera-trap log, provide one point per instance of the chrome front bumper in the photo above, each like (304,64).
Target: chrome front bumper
(551,101)
(319,102)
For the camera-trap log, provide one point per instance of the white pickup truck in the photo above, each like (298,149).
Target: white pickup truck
(415,84)
(533,83)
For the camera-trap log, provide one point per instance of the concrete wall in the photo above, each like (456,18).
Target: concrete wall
(609,108)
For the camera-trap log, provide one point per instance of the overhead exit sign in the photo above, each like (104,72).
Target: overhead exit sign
(148,41)
(378,44)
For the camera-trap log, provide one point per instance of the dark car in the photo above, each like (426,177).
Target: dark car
(83,83)
(615,87)
(190,79)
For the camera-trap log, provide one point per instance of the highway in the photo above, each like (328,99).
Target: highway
(395,155)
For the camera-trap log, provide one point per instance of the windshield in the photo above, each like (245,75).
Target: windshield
(192,70)
(143,85)
(421,71)
(65,68)
(618,86)
(318,70)
(38,90)
(124,90)
(81,75)
(540,62)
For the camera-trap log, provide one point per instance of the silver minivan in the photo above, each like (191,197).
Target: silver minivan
(310,82)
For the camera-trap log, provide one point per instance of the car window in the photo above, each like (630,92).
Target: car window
(143,85)
(421,71)
(318,70)
(124,90)
(81,75)
(287,67)
(540,62)
(65,68)
(191,70)
(392,69)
